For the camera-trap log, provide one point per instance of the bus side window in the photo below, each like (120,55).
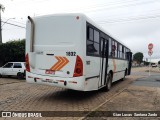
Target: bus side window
(90,47)
(120,51)
(96,46)
(89,33)
(124,52)
(110,46)
(96,36)
(127,54)
(115,49)
(96,41)
(92,41)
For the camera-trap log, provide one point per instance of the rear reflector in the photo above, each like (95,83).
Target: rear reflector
(73,82)
(78,70)
(60,80)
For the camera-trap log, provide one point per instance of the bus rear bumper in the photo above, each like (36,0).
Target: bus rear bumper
(75,83)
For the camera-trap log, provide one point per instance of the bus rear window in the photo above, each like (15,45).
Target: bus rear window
(92,41)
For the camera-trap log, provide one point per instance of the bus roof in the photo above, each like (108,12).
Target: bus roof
(87,19)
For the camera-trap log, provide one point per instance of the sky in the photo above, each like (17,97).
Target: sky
(134,22)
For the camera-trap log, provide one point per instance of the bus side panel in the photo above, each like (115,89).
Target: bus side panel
(92,72)
(91,84)
(118,67)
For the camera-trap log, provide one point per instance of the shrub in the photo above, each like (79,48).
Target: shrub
(12,51)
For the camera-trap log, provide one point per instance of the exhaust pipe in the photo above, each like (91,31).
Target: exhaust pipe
(32,34)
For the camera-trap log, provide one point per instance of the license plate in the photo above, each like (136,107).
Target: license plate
(50,72)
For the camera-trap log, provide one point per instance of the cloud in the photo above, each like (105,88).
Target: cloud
(138,34)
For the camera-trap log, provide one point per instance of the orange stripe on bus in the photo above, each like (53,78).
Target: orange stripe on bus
(65,61)
(114,65)
(62,61)
(57,63)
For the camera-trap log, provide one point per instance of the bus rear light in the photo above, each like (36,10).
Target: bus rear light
(78,70)
(27,63)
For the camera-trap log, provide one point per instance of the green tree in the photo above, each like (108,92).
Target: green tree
(158,62)
(138,57)
(12,51)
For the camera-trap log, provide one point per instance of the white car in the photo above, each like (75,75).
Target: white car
(154,65)
(13,69)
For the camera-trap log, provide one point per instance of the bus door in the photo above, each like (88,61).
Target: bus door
(104,61)
(129,57)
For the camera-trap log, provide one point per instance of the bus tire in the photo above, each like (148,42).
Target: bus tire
(0,76)
(125,74)
(109,82)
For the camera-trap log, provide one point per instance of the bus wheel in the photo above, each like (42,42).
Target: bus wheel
(125,73)
(0,76)
(109,82)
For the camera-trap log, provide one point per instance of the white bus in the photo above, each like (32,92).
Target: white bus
(71,51)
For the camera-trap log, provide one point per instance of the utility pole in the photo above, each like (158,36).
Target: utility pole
(1,9)
(0,26)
